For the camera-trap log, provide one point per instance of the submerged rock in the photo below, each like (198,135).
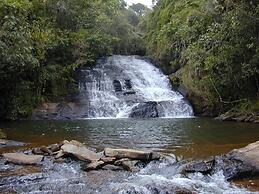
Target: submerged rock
(127,153)
(20,158)
(79,151)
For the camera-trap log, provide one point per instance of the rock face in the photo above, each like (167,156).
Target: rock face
(127,153)
(20,158)
(80,151)
(59,111)
(145,110)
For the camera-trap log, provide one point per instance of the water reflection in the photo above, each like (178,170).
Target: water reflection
(196,138)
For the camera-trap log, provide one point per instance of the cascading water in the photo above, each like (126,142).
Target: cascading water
(127,86)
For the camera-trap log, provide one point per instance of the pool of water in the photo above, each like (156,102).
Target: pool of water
(190,138)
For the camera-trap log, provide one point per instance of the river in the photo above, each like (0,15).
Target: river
(191,138)
(126,102)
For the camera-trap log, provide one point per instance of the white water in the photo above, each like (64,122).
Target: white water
(148,83)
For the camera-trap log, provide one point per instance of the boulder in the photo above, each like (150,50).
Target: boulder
(241,163)
(132,165)
(37,151)
(127,153)
(145,110)
(55,147)
(156,156)
(79,151)
(20,158)
(237,164)
(42,151)
(200,166)
(94,166)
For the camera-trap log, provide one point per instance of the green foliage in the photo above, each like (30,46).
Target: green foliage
(215,42)
(42,43)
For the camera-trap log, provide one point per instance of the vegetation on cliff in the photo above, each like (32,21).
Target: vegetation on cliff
(42,43)
(211,48)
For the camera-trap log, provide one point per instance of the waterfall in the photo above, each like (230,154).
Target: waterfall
(128,86)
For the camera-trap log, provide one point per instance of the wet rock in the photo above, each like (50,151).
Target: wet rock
(200,166)
(94,166)
(46,151)
(119,162)
(20,158)
(37,151)
(241,163)
(117,86)
(42,151)
(169,158)
(55,147)
(145,110)
(127,153)
(108,160)
(79,151)
(132,165)
(112,167)
(59,154)
(128,84)
(156,156)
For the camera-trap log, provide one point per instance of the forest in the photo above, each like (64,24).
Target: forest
(211,48)
(42,43)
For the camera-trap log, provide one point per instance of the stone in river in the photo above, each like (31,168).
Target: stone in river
(200,166)
(131,165)
(94,166)
(127,153)
(55,147)
(108,160)
(241,163)
(20,158)
(80,151)
(37,151)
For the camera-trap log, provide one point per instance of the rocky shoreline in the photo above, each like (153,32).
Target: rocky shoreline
(109,159)
(248,118)
(38,163)
(237,164)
